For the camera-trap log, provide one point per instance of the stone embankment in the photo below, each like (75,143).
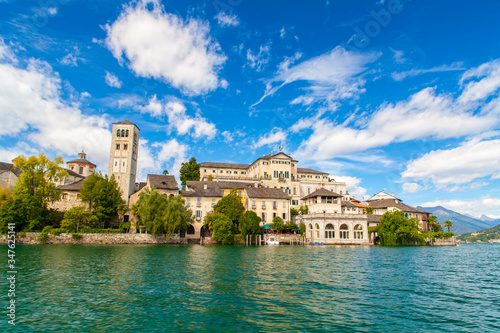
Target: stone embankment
(32,238)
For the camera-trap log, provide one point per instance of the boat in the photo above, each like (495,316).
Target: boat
(272,240)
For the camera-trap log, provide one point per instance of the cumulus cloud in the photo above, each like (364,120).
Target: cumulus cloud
(178,119)
(227,20)
(353,186)
(275,136)
(486,205)
(331,76)
(157,156)
(488,82)
(411,187)
(423,115)
(112,80)
(31,105)
(163,46)
(447,169)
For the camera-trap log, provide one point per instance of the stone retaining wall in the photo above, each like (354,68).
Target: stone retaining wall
(32,238)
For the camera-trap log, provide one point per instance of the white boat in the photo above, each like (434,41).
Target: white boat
(272,240)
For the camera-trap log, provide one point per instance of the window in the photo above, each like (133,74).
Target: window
(204,170)
(198,202)
(274,215)
(263,204)
(213,202)
(123,133)
(221,171)
(329,231)
(125,146)
(188,202)
(275,204)
(80,171)
(118,133)
(284,204)
(240,193)
(264,215)
(308,190)
(65,196)
(340,192)
(198,214)
(253,204)
(190,230)
(213,171)
(344,232)
(228,171)
(117,146)
(126,133)
(358,232)
(295,202)
(284,216)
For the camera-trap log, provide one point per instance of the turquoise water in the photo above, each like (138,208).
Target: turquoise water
(255,289)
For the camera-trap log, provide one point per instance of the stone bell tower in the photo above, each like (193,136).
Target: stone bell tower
(123,156)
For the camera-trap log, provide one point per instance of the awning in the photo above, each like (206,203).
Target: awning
(267,226)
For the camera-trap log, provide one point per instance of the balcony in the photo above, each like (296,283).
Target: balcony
(275,207)
(254,207)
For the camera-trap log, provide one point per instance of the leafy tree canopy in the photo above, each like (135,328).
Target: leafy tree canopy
(294,212)
(103,197)
(78,217)
(189,171)
(278,224)
(396,229)
(222,229)
(250,223)
(303,210)
(231,206)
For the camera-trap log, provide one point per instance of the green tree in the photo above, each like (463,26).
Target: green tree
(396,229)
(448,224)
(368,210)
(278,223)
(78,217)
(222,229)
(162,215)
(302,227)
(165,172)
(294,212)
(291,226)
(103,197)
(189,171)
(231,206)
(304,210)
(210,178)
(5,195)
(250,223)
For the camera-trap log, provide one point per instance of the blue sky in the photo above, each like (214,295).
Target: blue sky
(401,96)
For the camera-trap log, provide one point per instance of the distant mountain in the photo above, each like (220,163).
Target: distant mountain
(489,219)
(461,223)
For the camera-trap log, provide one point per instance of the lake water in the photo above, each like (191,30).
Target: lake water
(255,289)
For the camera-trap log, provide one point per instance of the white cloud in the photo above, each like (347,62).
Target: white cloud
(72,58)
(282,33)
(178,119)
(352,184)
(155,157)
(400,76)
(259,60)
(485,205)
(31,106)
(332,76)
(398,56)
(489,83)
(275,136)
(112,80)
(447,169)
(411,187)
(227,20)
(164,46)
(6,53)
(421,116)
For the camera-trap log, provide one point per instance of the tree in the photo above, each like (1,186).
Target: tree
(278,223)
(448,224)
(162,215)
(368,210)
(396,229)
(189,171)
(291,226)
(304,210)
(5,195)
(294,212)
(250,223)
(222,229)
(231,206)
(103,197)
(210,178)
(78,217)
(165,172)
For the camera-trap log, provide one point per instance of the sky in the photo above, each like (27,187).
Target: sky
(401,96)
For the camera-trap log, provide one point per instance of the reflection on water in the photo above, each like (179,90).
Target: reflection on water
(227,288)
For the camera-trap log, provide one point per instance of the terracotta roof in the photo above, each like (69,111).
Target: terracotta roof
(224,165)
(322,192)
(73,186)
(163,182)
(266,193)
(306,170)
(197,189)
(82,161)
(386,203)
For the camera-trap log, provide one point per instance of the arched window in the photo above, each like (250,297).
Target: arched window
(329,231)
(344,232)
(190,230)
(123,133)
(317,230)
(358,231)
(118,133)
(126,133)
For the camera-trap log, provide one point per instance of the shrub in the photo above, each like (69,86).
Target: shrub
(76,236)
(448,234)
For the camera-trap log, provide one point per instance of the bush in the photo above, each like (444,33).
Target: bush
(76,236)
(22,234)
(448,234)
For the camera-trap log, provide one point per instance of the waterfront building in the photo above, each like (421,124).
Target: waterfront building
(163,184)
(8,175)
